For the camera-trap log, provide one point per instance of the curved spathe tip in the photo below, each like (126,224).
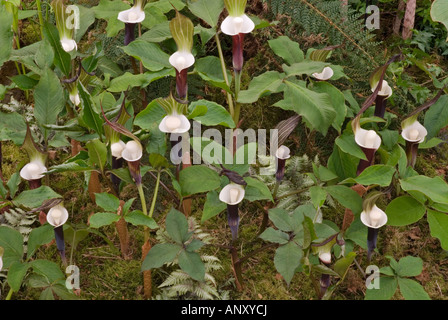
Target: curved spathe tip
(181,60)
(236,25)
(57,216)
(325,257)
(368,139)
(415,132)
(68,44)
(375,218)
(33,171)
(386,90)
(283,153)
(133,15)
(132,151)
(232,194)
(175,123)
(326,74)
(74,98)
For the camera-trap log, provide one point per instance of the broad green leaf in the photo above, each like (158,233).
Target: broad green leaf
(157,34)
(153,17)
(307,67)
(377,174)
(12,127)
(97,153)
(62,59)
(357,232)
(88,115)
(108,10)
(39,236)
(207,10)
(75,166)
(34,198)
(412,290)
(287,260)
(342,265)
(216,114)
(197,179)
(209,69)
(88,18)
(138,218)
(153,113)
(347,197)
(346,142)
(177,226)
(44,56)
(275,236)
(12,242)
(337,99)
(316,108)
(16,273)
(141,80)
(438,225)
(434,188)
(159,255)
(428,144)
(265,84)
(287,49)
(343,164)
(102,219)
(404,210)
(49,99)
(167,5)
(48,269)
(107,201)
(439,12)
(6,34)
(388,287)
(285,221)
(436,117)
(409,267)
(213,206)
(150,54)
(318,196)
(256,190)
(191,263)
(389,138)
(309,233)
(194,245)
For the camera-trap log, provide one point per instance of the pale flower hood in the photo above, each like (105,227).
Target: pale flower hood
(236,25)
(33,171)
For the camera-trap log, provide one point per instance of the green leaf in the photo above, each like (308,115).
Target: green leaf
(167,5)
(207,10)
(434,188)
(34,198)
(159,255)
(213,206)
(316,108)
(307,67)
(49,99)
(342,266)
(357,232)
(153,113)
(377,174)
(150,54)
(436,117)
(404,210)
(216,114)
(412,290)
(439,12)
(194,245)
(62,59)
(38,237)
(138,218)
(88,115)
(209,69)
(318,196)
(337,99)
(107,201)
(347,197)
(16,273)
(256,190)
(388,286)
(409,267)
(309,233)
(265,84)
(6,34)
(177,226)
(343,164)
(153,17)
(12,242)
(97,153)
(12,127)
(191,263)
(102,219)
(197,179)
(157,34)
(287,260)
(88,18)
(346,142)
(287,49)
(285,221)
(438,224)
(48,269)
(108,10)
(275,236)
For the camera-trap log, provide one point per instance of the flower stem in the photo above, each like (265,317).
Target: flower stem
(156,191)
(41,19)
(8,297)
(142,198)
(224,73)
(236,116)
